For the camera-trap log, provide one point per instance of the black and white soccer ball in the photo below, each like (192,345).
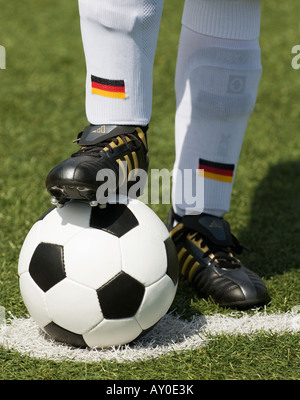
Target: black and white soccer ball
(92,277)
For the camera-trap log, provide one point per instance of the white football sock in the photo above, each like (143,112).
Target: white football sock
(217,78)
(119,39)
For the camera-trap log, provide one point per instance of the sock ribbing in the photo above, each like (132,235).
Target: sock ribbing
(215,18)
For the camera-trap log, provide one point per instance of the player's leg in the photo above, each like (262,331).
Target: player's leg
(119,39)
(217,78)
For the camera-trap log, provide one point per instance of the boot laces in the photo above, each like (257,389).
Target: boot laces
(108,145)
(224,256)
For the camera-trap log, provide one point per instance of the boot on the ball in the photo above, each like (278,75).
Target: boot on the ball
(119,150)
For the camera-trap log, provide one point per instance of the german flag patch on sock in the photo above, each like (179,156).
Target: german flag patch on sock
(108,88)
(217,171)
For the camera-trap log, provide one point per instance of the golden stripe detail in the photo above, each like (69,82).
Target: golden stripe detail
(185,264)
(132,174)
(176,229)
(120,162)
(135,160)
(141,135)
(129,166)
(120,141)
(105,93)
(197,243)
(112,145)
(216,177)
(192,270)
(181,254)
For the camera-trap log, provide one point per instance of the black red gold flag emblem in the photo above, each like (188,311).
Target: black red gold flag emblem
(217,171)
(108,88)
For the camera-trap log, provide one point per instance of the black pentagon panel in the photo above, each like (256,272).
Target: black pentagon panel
(173,265)
(63,335)
(120,297)
(116,219)
(47,265)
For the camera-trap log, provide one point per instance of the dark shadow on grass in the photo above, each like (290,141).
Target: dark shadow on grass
(273,233)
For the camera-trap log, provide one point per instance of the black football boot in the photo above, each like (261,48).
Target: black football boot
(207,259)
(118,149)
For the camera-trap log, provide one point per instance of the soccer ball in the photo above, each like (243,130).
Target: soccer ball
(93,277)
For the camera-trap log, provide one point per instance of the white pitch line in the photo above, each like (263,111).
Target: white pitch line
(171,334)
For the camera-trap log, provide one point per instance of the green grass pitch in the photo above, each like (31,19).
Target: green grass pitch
(42,110)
